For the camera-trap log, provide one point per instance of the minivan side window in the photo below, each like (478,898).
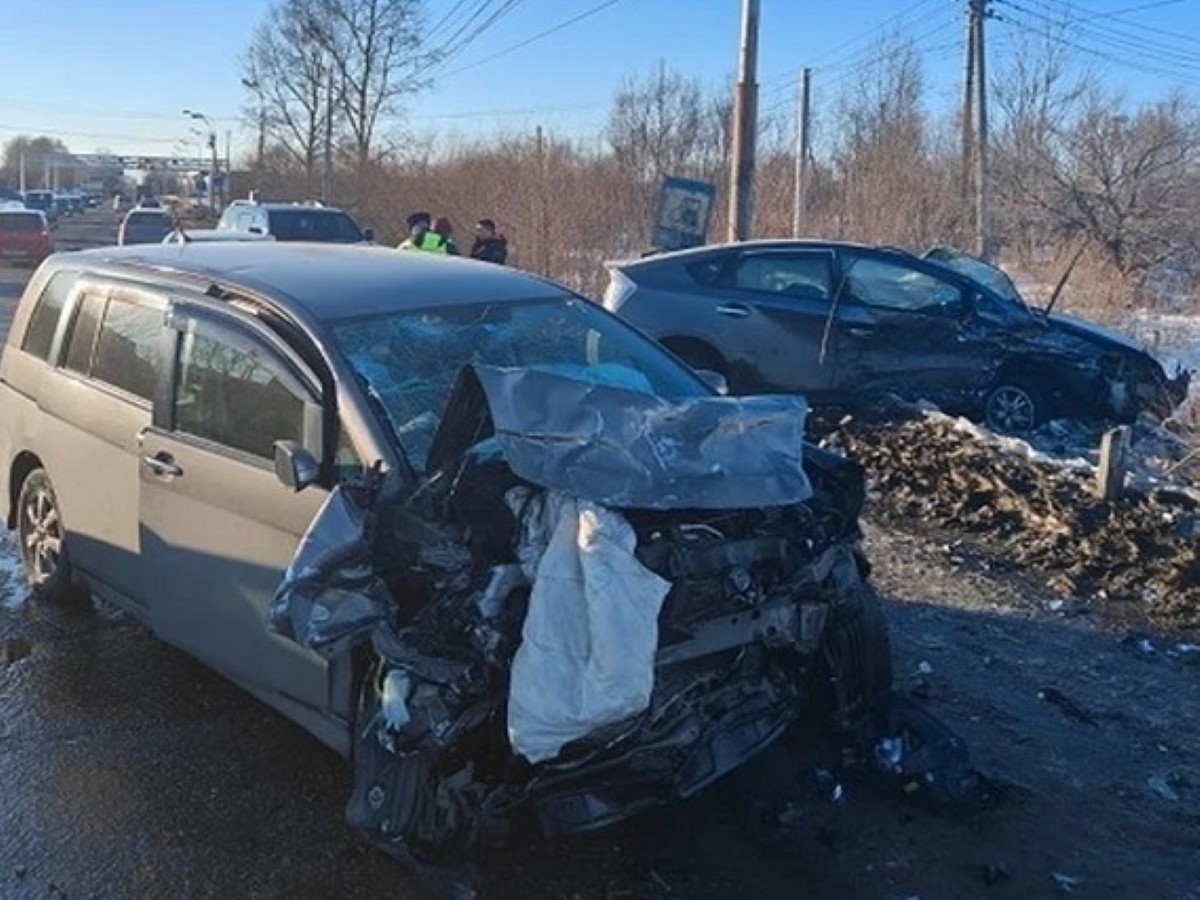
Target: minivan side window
(82,336)
(127,348)
(234,392)
(43,321)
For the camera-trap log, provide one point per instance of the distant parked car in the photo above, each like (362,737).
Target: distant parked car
(43,202)
(24,236)
(294,222)
(144,226)
(842,323)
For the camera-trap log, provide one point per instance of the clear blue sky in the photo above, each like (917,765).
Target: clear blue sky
(118,73)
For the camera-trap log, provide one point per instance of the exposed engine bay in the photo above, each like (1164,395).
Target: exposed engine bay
(540,655)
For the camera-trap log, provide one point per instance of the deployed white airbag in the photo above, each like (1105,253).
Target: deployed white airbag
(588,645)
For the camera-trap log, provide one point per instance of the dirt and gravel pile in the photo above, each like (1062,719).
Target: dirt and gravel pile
(1131,559)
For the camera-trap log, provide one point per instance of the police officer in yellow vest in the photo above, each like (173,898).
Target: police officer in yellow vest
(420,235)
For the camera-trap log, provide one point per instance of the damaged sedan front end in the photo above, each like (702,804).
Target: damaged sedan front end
(591,601)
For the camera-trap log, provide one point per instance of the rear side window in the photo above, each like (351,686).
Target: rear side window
(313,225)
(43,321)
(235,393)
(804,275)
(127,348)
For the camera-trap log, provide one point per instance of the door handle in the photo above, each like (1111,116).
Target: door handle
(733,309)
(860,331)
(163,465)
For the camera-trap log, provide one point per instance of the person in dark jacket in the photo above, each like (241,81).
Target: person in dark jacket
(489,245)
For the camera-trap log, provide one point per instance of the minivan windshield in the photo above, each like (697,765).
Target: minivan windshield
(410,360)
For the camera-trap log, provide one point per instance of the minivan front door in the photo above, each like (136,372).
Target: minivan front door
(217,527)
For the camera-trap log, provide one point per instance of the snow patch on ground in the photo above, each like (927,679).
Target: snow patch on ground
(13,593)
(1174,339)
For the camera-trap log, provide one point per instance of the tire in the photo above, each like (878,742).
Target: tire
(855,674)
(42,539)
(1014,406)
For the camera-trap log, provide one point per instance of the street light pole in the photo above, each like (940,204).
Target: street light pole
(212,146)
(255,86)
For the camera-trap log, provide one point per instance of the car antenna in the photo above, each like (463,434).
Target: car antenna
(1062,282)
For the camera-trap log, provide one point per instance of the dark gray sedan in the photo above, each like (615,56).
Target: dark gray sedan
(842,323)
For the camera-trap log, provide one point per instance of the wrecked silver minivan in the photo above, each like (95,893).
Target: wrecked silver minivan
(536,570)
(597,601)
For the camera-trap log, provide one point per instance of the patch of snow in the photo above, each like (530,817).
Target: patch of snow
(1174,339)
(13,592)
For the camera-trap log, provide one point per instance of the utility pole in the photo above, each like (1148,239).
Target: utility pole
(982,230)
(802,130)
(22,169)
(543,211)
(968,125)
(745,107)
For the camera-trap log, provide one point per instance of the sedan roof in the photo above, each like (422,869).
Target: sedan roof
(331,281)
(739,246)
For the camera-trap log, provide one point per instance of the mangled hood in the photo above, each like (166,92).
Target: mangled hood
(1097,335)
(627,449)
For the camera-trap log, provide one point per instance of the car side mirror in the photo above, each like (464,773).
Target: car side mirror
(368,234)
(295,467)
(714,380)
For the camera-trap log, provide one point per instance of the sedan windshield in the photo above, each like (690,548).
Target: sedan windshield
(409,360)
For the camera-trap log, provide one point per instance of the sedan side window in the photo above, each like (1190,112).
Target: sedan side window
(234,392)
(889,285)
(805,275)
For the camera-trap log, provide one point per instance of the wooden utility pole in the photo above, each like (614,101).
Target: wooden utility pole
(966,201)
(982,234)
(802,132)
(745,107)
(543,206)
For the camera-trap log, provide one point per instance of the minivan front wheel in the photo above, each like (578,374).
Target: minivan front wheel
(1014,407)
(42,538)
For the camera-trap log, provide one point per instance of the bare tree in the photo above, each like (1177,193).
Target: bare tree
(1126,180)
(287,69)
(36,151)
(375,47)
(893,176)
(662,125)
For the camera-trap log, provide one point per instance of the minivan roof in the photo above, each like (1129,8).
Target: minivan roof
(331,281)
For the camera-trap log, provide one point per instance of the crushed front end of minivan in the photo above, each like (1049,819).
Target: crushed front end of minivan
(595,601)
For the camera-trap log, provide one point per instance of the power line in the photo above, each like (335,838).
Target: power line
(1111,38)
(871,32)
(537,37)
(1143,60)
